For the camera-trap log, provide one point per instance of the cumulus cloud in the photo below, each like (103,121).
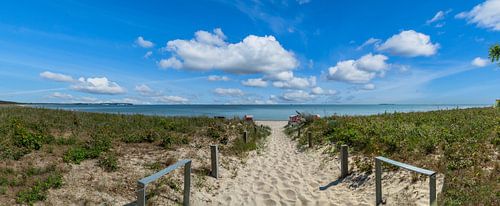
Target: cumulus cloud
(409,43)
(171,62)
(56,77)
(359,71)
(228,92)
(321,91)
(296,83)
(280,76)
(143,43)
(297,96)
(217,78)
(484,15)
(479,62)
(59,95)
(171,99)
(258,82)
(98,85)
(144,90)
(209,51)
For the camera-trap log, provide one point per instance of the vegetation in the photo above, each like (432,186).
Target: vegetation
(65,137)
(494,53)
(462,144)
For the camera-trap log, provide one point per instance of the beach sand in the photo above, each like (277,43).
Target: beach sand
(279,173)
(282,174)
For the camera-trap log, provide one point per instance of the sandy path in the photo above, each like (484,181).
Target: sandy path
(281,175)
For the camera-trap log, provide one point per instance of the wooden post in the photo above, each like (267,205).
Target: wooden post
(432,188)
(378,182)
(255,129)
(141,195)
(187,183)
(245,136)
(298,133)
(344,161)
(214,154)
(309,139)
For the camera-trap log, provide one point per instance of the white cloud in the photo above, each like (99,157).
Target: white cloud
(296,83)
(144,90)
(303,1)
(217,78)
(409,43)
(209,51)
(148,54)
(297,96)
(143,43)
(484,15)
(258,82)
(372,63)
(368,87)
(98,85)
(359,71)
(280,76)
(56,77)
(171,99)
(368,42)
(228,92)
(479,62)
(171,62)
(59,95)
(320,91)
(437,17)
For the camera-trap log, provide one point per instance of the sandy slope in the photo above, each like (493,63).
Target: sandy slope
(283,175)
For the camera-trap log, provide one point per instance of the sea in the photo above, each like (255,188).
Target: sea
(259,112)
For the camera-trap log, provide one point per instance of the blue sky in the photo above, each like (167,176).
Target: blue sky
(249,52)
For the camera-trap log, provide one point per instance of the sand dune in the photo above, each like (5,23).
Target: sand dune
(283,175)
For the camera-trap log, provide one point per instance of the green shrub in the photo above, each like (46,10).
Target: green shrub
(109,162)
(75,155)
(38,191)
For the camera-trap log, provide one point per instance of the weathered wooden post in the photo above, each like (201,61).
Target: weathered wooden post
(214,154)
(141,195)
(344,161)
(309,139)
(245,136)
(298,133)
(432,192)
(378,182)
(187,183)
(255,129)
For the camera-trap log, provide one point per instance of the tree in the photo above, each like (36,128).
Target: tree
(495,53)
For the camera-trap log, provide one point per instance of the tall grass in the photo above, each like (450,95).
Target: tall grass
(463,144)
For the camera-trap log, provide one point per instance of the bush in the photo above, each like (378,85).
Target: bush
(109,162)
(38,191)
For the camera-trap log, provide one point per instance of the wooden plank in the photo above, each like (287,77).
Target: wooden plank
(153,177)
(406,166)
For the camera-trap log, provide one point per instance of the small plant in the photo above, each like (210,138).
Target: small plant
(38,191)
(109,162)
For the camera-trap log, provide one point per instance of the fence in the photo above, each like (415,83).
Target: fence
(141,192)
(378,178)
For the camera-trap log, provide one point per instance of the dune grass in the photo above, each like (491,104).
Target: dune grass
(462,144)
(68,137)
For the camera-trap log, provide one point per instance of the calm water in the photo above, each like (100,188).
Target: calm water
(260,112)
